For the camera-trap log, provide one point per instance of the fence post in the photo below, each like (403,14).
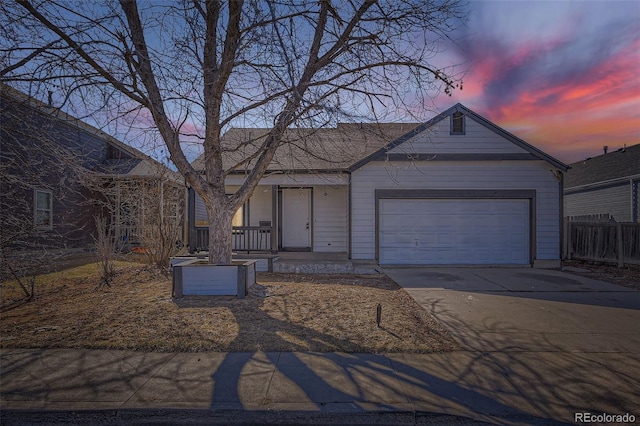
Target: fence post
(620,245)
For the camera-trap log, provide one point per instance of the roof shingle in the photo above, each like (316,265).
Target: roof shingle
(613,165)
(304,149)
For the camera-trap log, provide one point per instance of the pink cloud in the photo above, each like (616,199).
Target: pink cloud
(540,93)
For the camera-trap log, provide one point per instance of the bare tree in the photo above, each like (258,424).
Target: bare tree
(200,67)
(105,251)
(145,213)
(161,237)
(58,174)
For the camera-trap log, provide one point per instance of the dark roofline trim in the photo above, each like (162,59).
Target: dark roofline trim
(458,157)
(484,122)
(291,172)
(603,184)
(592,188)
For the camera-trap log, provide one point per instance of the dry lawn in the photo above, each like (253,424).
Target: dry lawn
(321,313)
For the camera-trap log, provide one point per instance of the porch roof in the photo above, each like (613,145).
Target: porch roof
(305,149)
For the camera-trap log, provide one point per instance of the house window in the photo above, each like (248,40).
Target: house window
(43,211)
(457,123)
(238,217)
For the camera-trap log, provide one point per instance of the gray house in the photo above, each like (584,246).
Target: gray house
(605,185)
(58,173)
(455,190)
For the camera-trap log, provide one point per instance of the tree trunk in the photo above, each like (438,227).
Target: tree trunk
(220,235)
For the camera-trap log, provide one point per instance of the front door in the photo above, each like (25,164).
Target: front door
(296,218)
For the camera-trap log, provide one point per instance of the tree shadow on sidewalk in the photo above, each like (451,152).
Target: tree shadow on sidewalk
(359,381)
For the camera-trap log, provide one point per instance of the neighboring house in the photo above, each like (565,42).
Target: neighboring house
(605,185)
(59,173)
(455,190)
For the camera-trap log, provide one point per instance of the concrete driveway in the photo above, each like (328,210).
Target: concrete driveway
(568,344)
(515,309)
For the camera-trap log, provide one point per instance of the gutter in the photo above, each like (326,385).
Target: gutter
(604,183)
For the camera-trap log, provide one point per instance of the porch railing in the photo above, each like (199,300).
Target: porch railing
(244,238)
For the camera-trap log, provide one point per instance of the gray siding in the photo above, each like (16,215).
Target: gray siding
(260,205)
(201,212)
(40,152)
(520,175)
(330,216)
(615,201)
(476,140)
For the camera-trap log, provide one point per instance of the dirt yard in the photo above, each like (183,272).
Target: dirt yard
(283,313)
(628,276)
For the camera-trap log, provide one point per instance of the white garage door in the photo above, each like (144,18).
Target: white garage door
(446,232)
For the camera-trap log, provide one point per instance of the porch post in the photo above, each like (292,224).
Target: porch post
(274,219)
(191,212)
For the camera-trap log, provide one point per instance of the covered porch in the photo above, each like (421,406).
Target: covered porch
(285,214)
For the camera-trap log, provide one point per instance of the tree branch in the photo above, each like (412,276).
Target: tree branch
(80,51)
(155,103)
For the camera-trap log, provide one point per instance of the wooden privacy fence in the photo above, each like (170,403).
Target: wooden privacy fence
(603,242)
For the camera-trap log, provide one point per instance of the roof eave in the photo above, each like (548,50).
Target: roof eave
(293,171)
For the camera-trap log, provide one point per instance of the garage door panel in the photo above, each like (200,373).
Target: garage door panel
(454,231)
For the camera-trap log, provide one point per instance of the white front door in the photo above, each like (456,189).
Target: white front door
(296,218)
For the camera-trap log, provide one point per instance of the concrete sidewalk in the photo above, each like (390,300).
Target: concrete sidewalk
(121,387)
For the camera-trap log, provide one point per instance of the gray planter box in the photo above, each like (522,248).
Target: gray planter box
(196,277)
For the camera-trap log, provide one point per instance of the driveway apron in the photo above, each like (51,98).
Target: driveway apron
(568,344)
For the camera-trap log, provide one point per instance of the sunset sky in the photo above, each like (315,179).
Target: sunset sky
(562,75)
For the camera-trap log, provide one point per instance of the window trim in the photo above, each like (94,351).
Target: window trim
(36,209)
(463,119)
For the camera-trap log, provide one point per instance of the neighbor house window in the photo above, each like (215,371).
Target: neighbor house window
(457,123)
(43,213)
